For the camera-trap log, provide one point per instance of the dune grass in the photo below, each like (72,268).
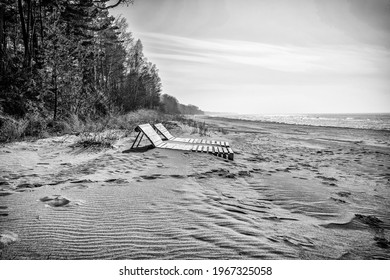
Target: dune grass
(89,130)
(99,132)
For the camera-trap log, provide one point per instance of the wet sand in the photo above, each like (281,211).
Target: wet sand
(292,192)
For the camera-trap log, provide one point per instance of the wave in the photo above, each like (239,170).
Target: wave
(356,121)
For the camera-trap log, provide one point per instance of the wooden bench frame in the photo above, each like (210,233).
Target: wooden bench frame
(200,145)
(148,131)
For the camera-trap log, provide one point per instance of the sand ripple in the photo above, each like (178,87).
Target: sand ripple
(283,197)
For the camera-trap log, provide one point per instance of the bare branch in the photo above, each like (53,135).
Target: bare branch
(113,5)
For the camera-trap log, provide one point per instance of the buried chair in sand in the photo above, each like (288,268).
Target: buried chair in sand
(212,148)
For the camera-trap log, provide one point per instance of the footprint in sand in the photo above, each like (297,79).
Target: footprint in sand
(28,186)
(117,181)
(55,200)
(82,181)
(80,187)
(244,173)
(177,176)
(338,200)
(8,237)
(344,194)
(151,177)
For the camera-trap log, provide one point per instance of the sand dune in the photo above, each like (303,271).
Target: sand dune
(292,192)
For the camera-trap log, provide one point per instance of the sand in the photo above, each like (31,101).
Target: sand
(292,192)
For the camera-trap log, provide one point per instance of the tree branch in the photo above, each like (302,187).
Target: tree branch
(113,5)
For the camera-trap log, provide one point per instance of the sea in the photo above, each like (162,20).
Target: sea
(358,121)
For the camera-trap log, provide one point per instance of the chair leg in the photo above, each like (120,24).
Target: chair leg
(140,139)
(136,138)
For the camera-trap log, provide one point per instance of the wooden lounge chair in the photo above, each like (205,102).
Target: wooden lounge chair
(161,129)
(148,131)
(156,141)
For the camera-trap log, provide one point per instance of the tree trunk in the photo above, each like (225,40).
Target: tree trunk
(24,34)
(2,40)
(55,91)
(41,21)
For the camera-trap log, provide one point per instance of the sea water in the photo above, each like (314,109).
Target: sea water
(359,121)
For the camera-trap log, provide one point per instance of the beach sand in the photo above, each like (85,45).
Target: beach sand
(292,192)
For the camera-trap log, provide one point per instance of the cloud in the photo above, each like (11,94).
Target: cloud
(341,59)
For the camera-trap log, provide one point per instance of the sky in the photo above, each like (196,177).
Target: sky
(268,56)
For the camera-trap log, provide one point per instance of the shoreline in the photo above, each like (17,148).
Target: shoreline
(291,192)
(221,118)
(294,124)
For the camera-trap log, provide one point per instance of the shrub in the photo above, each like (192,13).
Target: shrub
(60,126)
(12,129)
(75,124)
(97,140)
(36,125)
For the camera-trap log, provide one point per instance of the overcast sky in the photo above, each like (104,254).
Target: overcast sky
(269,56)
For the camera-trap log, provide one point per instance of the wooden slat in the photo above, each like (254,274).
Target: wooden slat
(227,144)
(217,142)
(160,145)
(183,147)
(200,147)
(213,142)
(151,134)
(194,148)
(188,147)
(162,129)
(231,154)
